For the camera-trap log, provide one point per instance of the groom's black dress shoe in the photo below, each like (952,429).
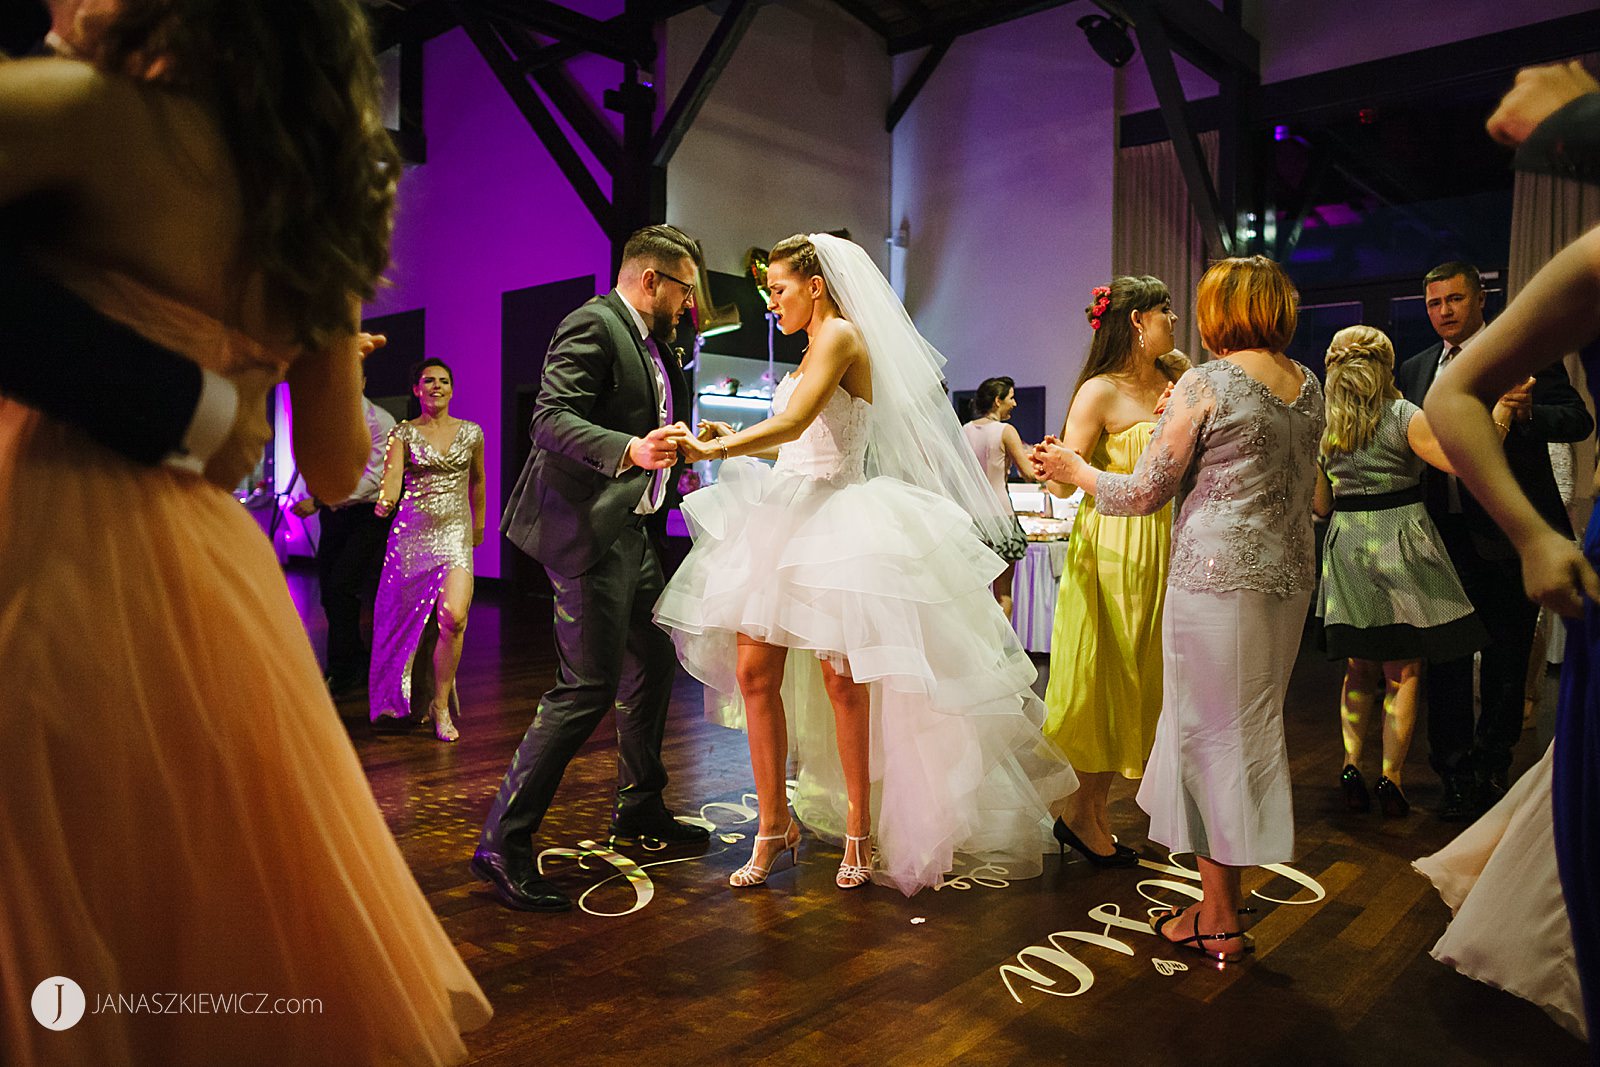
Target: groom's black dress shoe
(659,825)
(1460,804)
(518,889)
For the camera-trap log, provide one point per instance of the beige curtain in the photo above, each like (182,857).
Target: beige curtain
(1547,214)
(1153,228)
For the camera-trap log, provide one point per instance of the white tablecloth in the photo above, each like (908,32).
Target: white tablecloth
(1033,593)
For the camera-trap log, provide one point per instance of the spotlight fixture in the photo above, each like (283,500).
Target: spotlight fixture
(1108,36)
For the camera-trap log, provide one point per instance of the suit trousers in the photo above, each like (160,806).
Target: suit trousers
(1456,748)
(610,652)
(349,557)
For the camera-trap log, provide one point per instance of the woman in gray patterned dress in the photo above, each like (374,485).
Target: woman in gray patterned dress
(434,472)
(1238,441)
(1389,598)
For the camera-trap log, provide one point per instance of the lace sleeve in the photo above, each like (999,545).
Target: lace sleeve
(1159,472)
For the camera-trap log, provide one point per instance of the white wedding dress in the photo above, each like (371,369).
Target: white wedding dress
(890,582)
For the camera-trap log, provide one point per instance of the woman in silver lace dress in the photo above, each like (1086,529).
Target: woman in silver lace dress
(1239,441)
(434,472)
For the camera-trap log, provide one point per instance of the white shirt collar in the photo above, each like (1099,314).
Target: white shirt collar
(1444,349)
(638,319)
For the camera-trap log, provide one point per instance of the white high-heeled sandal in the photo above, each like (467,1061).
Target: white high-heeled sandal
(854,875)
(753,873)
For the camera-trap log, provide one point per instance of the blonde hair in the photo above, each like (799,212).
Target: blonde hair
(1360,386)
(1246,302)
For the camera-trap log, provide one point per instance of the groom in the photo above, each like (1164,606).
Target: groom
(603,452)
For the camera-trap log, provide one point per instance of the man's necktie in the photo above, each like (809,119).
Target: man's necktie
(1451,482)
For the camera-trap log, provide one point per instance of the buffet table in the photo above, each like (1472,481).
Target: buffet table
(1033,593)
(1038,575)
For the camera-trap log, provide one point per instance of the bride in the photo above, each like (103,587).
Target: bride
(863,551)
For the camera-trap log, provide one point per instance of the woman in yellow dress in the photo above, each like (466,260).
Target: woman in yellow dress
(1104,694)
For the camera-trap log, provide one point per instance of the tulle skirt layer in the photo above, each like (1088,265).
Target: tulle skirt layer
(888,583)
(1510,928)
(185,814)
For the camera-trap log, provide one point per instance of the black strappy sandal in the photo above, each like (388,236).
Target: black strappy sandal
(1196,942)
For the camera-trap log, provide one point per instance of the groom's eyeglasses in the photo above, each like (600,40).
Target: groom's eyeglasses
(688,289)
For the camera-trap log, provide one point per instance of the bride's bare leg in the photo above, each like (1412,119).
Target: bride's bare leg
(760,673)
(1002,589)
(852,722)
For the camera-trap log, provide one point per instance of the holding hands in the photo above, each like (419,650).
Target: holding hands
(702,443)
(1055,462)
(658,448)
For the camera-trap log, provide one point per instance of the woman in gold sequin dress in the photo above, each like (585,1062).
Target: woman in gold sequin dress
(434,474)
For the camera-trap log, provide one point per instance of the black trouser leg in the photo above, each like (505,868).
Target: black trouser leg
(592,615)
(649,667)
(349,557)
(1511,618)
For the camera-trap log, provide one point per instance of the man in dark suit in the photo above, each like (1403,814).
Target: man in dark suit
(1474,764)
(602,459)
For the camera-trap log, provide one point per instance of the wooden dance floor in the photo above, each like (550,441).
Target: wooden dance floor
(664,964)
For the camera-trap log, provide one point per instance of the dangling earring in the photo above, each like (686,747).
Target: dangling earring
(1136,326)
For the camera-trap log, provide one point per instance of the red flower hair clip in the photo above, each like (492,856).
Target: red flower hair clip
(1102,302)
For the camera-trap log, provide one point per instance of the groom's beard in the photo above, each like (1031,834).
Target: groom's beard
(662,329)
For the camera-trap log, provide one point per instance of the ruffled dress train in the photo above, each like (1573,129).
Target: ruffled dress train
(889,583)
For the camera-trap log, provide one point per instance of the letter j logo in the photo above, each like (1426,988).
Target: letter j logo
(58,1003)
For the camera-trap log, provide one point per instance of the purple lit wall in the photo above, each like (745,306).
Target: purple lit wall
(489,211)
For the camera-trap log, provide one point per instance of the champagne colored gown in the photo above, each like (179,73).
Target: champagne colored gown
(185,813)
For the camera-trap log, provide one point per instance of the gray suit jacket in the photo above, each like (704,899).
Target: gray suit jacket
(597,392)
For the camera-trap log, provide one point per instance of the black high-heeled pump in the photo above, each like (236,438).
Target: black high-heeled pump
(1355,789)
(1119,856)
(1391,801)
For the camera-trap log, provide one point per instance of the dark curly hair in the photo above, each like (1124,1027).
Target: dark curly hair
(294,88)
(423,364)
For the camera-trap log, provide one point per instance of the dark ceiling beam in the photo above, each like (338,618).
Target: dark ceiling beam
(511,78)
(685,107)
(980,19)
(1208,38)
(919,77)
(627,41)
(864,14)
(411,138)
(420,22)
(574,105)
(1157,50)
(553,55)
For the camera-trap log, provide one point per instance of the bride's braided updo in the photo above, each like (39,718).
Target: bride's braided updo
(799,253)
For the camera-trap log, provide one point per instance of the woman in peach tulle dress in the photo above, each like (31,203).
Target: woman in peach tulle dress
(184,813)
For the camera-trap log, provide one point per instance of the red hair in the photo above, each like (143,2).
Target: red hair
(1246,302)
